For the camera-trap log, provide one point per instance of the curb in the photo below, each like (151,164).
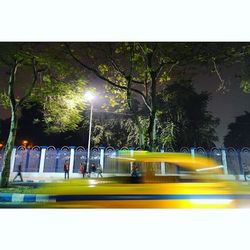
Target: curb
(6,197)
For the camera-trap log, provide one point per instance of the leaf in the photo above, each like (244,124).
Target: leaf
(103,68)
(4,100)
(245,86)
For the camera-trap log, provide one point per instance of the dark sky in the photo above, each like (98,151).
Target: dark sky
(228,105)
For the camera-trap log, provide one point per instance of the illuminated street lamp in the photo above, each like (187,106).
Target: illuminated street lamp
(89,96)
(25,143)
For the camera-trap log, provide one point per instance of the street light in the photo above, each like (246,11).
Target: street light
(25,143)
(89,96)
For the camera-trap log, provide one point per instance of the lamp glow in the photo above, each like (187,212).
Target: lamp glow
(89,96)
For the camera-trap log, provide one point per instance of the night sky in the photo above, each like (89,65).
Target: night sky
(228,105)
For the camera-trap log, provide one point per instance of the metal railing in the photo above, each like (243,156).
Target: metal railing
(50,159)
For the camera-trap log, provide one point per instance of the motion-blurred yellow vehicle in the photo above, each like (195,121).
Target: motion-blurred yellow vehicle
(202,186)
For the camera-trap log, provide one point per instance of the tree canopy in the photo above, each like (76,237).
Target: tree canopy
(184,120)
(238,135)
(48,82)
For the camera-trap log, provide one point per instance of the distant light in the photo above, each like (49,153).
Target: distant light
(89,96)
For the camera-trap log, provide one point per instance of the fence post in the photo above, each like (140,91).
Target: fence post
(193,152)
(240,163)
(163,170)
(131,154)
(27,159)
(12,160)
(72,159)
(42,159)
(102,157)
(224,160)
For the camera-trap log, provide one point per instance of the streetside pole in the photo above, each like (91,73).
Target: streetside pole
(224,160)
(163,169)
(90,127)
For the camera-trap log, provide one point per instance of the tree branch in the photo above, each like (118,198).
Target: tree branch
(222,86)
(158,71)
(99,75)
(154,49)
(136,81)
(35,76)
(116,67)
(11,82)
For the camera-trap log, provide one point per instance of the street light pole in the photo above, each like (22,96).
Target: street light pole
(89,97)
(90,127)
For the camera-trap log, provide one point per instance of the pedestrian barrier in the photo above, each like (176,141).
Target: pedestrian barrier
(47,162)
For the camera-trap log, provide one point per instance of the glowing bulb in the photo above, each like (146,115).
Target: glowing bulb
(25,142)
(89,96)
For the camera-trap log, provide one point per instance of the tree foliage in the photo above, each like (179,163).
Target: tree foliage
(136,69)
(58,88)
(115,132)
(238,135)
(183,117)
(139,71)
(62,103)
(47,80)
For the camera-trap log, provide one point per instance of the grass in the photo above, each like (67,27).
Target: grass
(18,189)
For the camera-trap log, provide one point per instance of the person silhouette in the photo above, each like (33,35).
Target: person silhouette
(19,172)
(83,169)
(99,170)
(92,169)
(66,169)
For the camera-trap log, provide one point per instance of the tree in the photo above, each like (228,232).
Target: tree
(238,135)
(138,70)
(213,57)
(117,132)
(183,117)
(107,130)
(31,127)
(135,69)
(48,83)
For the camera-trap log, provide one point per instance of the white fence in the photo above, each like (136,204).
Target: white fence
(44,162)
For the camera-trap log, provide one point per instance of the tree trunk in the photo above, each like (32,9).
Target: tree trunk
(141,132)
(15,107)
(13,127)
(152,131)
(152,118)
(7,153)
(130,105)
